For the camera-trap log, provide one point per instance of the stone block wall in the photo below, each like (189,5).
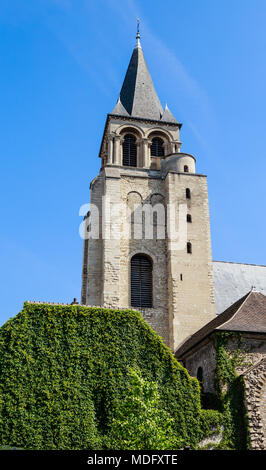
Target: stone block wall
(91,291)
(183,295)
(252,367)
(204,357)
(190,282)
(253,350)
(255,383)
(136,189)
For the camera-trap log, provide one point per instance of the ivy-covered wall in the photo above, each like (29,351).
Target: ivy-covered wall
(63,376)
(230,390)
(232,365)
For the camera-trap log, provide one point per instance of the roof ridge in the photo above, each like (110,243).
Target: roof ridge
(214,323)
(237,262)
(240,306)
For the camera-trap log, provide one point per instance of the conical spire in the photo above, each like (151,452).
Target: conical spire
(138,97)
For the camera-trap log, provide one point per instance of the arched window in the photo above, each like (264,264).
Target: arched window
(157,149)
(186,169)
(129,150)
(141,281)
(189,218)
(200,377)
(189,248)
(188,196)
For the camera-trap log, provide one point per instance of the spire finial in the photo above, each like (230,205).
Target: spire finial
(138,35)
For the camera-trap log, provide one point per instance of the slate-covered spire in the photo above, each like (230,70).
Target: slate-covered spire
(138,97)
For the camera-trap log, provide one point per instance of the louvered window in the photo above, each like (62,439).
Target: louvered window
(157,147)
(129,150)
(141,281)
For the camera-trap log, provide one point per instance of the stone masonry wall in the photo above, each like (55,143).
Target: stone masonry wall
(253,350)
(183,297)
(255,383)
(252,367)
(190,282)
(137,189)
(204,357)
(91,292)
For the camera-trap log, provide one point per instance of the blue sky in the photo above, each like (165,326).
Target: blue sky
(62,67)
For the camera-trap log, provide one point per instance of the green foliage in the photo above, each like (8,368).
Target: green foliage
(141,423)
(64,376)
(230,389)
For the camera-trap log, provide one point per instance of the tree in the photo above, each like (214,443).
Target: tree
(140,422)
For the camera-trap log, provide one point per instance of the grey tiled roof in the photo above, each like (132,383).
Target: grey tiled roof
(247,314)
(233,280)
(138,97)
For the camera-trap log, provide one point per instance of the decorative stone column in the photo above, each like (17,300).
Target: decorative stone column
(145,153)
(117,150)
(166,148)
(139,153)
(175,146)
(110,151)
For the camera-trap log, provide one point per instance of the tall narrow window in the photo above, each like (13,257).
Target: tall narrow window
(200,378)
(189,218)
(189,248)
(188,195)
(186,169)
(141,281)
(157,147)
(129,150)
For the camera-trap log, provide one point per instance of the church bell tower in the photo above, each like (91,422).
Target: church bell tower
(147,236)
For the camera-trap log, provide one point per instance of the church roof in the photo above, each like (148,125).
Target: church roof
(248,314)
(138,97)
(233,280)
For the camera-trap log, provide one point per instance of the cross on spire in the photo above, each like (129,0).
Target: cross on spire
(138,34)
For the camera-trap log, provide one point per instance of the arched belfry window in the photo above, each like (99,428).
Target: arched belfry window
(157,149)
(141,281)
(129,150)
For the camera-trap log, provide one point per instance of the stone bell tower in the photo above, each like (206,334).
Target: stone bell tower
(167,277)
